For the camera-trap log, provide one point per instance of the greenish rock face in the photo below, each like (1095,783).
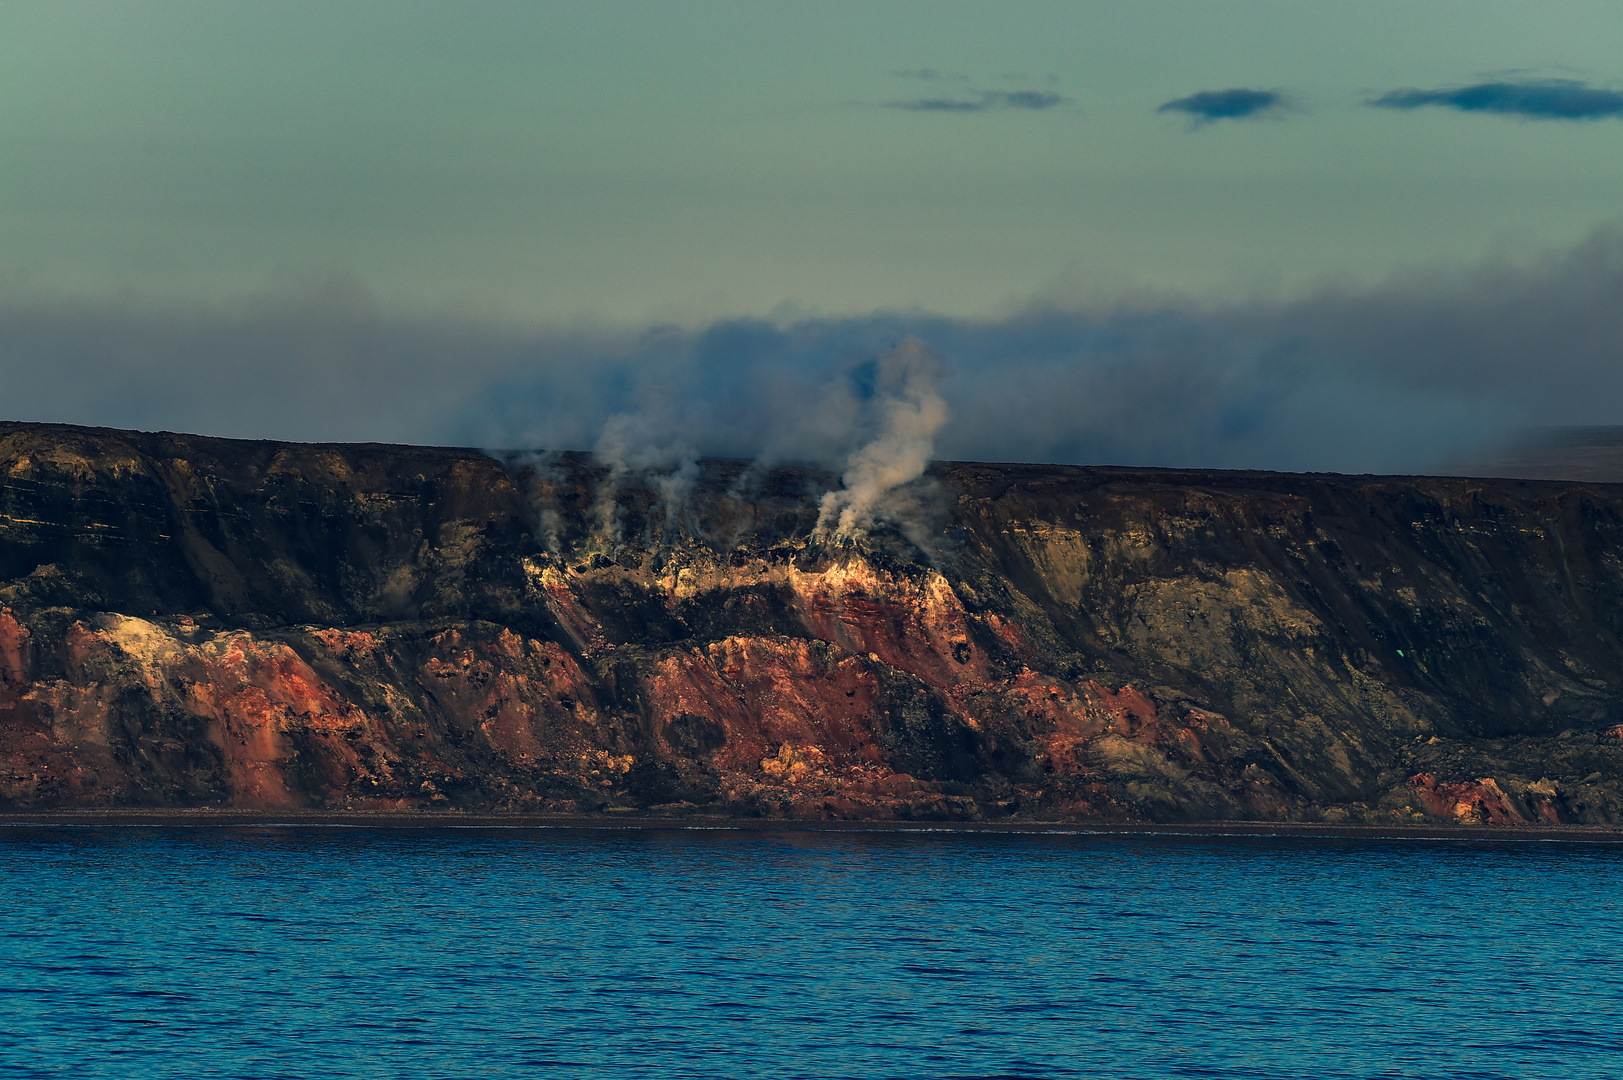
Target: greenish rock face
(200,622)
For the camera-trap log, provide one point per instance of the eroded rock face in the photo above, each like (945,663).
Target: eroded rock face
(188,621)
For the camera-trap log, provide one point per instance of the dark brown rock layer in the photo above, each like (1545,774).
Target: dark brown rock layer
(195,622)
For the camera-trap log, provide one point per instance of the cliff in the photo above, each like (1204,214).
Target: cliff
(188,621)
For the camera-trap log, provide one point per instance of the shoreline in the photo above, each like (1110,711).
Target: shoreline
(209,818)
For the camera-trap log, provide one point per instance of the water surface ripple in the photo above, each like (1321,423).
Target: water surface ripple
(299,952)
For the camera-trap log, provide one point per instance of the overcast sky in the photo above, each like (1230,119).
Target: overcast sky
(537,168)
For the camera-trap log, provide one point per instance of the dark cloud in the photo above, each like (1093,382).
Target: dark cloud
(985,101)
(1212,105)
(1407,375)
(1543,99)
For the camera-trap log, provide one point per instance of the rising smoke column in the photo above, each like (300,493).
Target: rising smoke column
(911,411)
(546,474)
(631,445)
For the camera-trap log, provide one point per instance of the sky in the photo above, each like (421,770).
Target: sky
(415,221)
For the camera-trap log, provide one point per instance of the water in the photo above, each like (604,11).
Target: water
(268,952)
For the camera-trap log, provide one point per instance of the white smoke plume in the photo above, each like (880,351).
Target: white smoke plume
(911,412)
(545,474)
(634,445)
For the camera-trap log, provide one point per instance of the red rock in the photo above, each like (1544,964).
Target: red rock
(1479,802)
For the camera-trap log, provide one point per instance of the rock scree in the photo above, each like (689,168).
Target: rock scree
(199,622)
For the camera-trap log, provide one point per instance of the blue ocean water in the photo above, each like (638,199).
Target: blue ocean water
(299,952)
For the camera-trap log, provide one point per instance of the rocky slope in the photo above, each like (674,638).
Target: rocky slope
(201,622)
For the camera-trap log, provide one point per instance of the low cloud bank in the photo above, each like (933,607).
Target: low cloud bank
(317,364)
(1406,376)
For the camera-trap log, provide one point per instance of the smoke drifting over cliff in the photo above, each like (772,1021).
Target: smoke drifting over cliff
(883,416)
(1410,375)
(1402,376)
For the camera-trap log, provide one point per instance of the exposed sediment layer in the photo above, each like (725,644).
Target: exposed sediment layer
(191,622)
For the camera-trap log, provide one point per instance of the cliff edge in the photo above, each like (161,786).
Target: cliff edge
(187,621)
